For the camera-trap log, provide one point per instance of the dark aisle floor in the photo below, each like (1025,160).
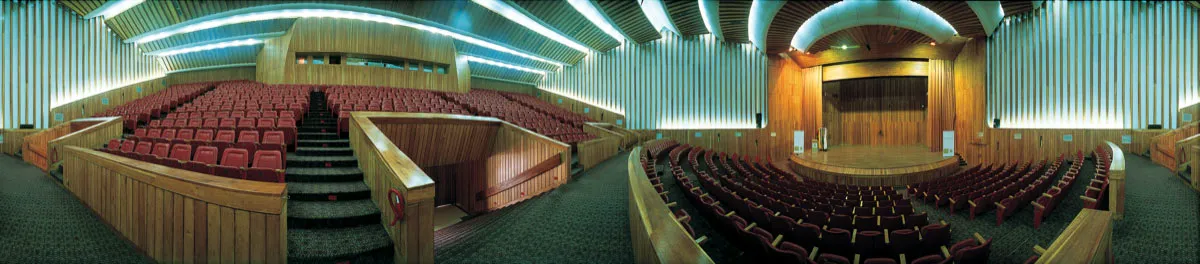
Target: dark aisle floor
(583,221)
(40,222)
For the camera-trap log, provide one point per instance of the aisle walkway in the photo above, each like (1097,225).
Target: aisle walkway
(40,222)
(583,221)
(1162,223)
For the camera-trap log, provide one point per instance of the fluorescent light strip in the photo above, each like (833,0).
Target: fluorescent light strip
(501,80)
(100,91)
(214,67)
(222,45)
(225,41)
(576,98)
(501,64)
(657,14)
(711,20)
(112,8)
(286,11)
(520,18)
(593,14)
(695,124)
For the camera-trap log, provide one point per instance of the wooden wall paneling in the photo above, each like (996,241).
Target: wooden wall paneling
(593,152)
(624,136)
(1193,110)
(36,149)
(225,74)
(440,144)
(1165,150)
(516,150)
(871,69)
(273,59)
(795,103)
(876,111)
(92,105)
(1143,141)
(180,216)
(97,133)
(488,84)
(655,235)
(579,107)
(970,100)
(1087,239)
(940,109)
(1039,144)
(14,139)
(872,177)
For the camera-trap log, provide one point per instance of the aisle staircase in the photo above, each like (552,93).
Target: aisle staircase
(331,217)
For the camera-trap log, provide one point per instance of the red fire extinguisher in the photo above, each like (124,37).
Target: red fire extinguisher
(397,201)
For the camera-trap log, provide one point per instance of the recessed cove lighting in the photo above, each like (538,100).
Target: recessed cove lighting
(520,18)
(222,45)
(854,13)
(501,64)
(593,14)
(76,97)
(310,10)
(112,8)
(657,14)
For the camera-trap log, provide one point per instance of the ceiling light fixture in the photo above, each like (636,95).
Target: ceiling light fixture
(501,64)
(113,8)
(933,43)
(237,41)
(593,14)
(306,10)
(516,16)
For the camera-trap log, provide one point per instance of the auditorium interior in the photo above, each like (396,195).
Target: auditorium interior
(599,131)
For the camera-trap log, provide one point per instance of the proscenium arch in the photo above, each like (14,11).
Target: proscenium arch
(854,13)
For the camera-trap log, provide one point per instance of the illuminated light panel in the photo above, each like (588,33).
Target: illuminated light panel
(593,14)
(853,13)
(222,45)
(711,20)
(112,8)
(501,64)
(288,11)
(580,99)
(521,19)
(100,91)
(699,124)
(657,14)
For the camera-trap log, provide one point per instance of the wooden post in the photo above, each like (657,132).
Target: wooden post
(1116,183)
(1195,154)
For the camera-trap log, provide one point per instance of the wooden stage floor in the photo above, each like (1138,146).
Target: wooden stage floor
(874,157)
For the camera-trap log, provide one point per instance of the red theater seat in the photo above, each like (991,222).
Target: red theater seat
(202,162)
(233,163)
(114,146)
(268,167)
(248,140)
(180,155)
(184,136)
(160,152)
(142,151)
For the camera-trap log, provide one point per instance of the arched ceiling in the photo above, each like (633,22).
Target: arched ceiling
(731,19)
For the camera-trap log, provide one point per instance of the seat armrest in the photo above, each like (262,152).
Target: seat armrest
(972,203)
(945,252)
(752,225)
(1039,249)
(1087,199)
(1038,205)
(778,238)
(979,238)
(813,255)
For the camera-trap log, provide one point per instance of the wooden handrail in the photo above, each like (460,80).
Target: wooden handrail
(92,131)
(1088,239)
(656,235)
(541,167)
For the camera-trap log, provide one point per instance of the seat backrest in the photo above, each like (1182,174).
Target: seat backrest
(186,133)
(266,122)
(268,159)
(228,122)
(140,132)
(114,144)
(286,122)
(904,240)
(226,136)
(181,152)
(203,135)
(195,122)
(248,136)
(128,145)
(180,123)
(206,155)
(143,147)
(246,122)
(161,149)
(273,137)
(235,157)
(974,254)
(154,133)
(168,133)
(211,122)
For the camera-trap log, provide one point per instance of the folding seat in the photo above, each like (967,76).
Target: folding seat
(840,209)
(268,167)
(246,124)
(841,221)
(228,123)
(195,123)
(155,123)
(273,140)
(930,259)
(290,114)
(903,209)
(836,241)
(211,123)
(889,223)
(934,237)
(180,123)
(832,259)
(223,114)
(270,114)
(788,252)
(127,146)
(142,151)
(138,134)
(904,243)
(869,244)
(233,163)
(818,218)
(916,220)
(158,154)
(866,222)
(224,139)
(859,210)
(180,155)
(183,136)
(203,161)
(971,250)
(113,147)
(209,114)
(879,261)
(238,114)
(248,140)
(166,136)
(265,124)
(758,240)
(806,235)
(253,114)
(152,134)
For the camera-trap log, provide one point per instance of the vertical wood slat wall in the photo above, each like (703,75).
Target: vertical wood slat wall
(14,139)
(50,56)
(672,83)
(876,111)
(177,216)
(970,100)
(940,109)
(516,150)
(1103,64)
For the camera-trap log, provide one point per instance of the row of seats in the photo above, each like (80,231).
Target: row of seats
(342,100)
(1096,195)
(155,105)
(494,104)
(984,200)
(231,113)
(268,165)
(681,216)
(559,113)
(222,139)
(789,246)
(1045,204)
(1009,204)
(286,125)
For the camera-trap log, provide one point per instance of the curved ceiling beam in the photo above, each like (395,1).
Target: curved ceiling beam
(761,15)
(848,14)
(303,10)
(990,14)
(712,19)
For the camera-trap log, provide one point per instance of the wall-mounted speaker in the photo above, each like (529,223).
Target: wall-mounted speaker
(996,123)
(758,120)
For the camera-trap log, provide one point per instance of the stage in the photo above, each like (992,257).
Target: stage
(874,165)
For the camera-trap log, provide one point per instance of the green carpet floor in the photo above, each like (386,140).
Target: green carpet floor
(40,222)
(583,221)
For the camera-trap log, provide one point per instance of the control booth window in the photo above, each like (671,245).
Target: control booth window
(402,64)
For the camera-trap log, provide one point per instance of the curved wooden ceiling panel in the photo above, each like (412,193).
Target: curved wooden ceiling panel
(734,17)
(867,36)
(788,21)
(686,17)
(960,16)
(232,55)
(628,16)
(250,28)
(1012,8)
(497,72)
(565,19)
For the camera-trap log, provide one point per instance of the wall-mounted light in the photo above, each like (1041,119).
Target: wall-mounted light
(518,17)
(501,64)
(113,8)
(933,43)
(844,47)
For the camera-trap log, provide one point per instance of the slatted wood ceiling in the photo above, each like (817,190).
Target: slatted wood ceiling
(686,17)
(628,16)
(960,16)
(734,16)
(1012,8)
(870,35)
(231,55)
(497,72)
(788,20)
(561,16)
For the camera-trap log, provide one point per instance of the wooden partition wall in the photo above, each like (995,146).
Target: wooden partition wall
(36,147)
(657,236)
(1088,239)
(1020,145)
(14,139)
(180,216)
(1167,150)
(606,145)
(486,163)
(86,133)
(1116,181)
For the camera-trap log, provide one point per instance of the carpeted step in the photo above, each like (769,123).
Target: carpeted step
(324,151)
(335,174)
(317,136)
(328,191)
(320,129)
(321,161)
(323,143)
(335,245)
(576,171)
(332,214)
